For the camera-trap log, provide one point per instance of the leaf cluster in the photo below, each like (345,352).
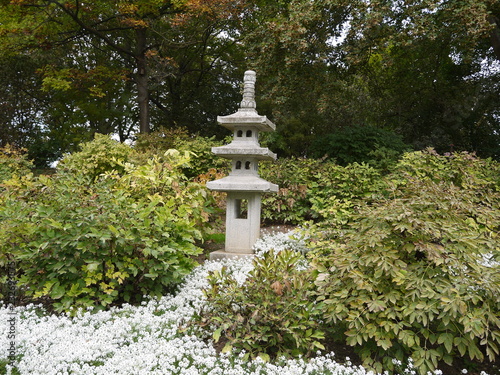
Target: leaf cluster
(202,158)
(101,155)
(272,314)
(360,144)
(13,162)
(310,188)
(415,273)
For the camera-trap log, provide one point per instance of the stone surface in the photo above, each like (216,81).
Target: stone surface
(247,114)
(233,151)
(245,118)
(244,187)
(243,184)
(242,221)
(221,254)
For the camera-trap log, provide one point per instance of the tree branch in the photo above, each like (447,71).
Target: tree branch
(94,31)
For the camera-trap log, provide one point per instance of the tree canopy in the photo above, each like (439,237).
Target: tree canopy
(425,70)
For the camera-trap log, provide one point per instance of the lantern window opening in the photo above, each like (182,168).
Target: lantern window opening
(238,164)
(241,206)
(249,133)
(239,133)
(247,165)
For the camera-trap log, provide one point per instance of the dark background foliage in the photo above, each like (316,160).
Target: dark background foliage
(425,71)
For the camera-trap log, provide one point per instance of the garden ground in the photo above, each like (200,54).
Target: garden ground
(145,339)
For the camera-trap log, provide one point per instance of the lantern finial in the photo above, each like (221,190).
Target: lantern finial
(248,101)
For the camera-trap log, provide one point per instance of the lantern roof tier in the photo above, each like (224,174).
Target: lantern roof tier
(246,118)
(242,184)
(232,151)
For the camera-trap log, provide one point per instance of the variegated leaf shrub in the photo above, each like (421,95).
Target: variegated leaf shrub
(106,232)
(415,273)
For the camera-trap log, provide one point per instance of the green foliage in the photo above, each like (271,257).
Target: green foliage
(463,170)
(291,204)
(202,158)
(106,240)
(3,368)
(422,69)
(313,189)
(415,273)
(218,238)
(159,141)
(13,162)
(271,314)
(96,157)
(337,191)
(360,144)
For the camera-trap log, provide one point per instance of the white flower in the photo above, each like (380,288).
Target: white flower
(145,339)
(396,362)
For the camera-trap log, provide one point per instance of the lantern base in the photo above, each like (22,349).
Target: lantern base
(222,254)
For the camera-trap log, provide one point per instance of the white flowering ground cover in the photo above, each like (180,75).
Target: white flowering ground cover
(145,339)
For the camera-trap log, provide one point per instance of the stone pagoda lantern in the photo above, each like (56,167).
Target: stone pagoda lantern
(243,186)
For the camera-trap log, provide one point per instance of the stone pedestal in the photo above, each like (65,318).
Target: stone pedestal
(244,187)
(242,221)
(222,254)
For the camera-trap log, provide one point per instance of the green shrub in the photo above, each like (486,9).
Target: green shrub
(96,157)
(462,169)
(336,191)
(310,189)
(416,273)
(360,144)
(270,315)
(115,239)
(13,162)
(307,186)
(202,158)
(291,204)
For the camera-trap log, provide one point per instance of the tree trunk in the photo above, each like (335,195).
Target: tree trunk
(142,81)
(495,35)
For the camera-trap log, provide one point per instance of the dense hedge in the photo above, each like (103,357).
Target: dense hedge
(308,186)
(360,144)
(416,272)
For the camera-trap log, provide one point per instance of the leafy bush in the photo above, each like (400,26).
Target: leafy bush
(360,144)
(310,189)
(202,158)
(417,273)
(114,239)
(291,204)
(463,169)
(96,157)
(13,162)
(270,315)
(336,191)
(306,185)
(203,164)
